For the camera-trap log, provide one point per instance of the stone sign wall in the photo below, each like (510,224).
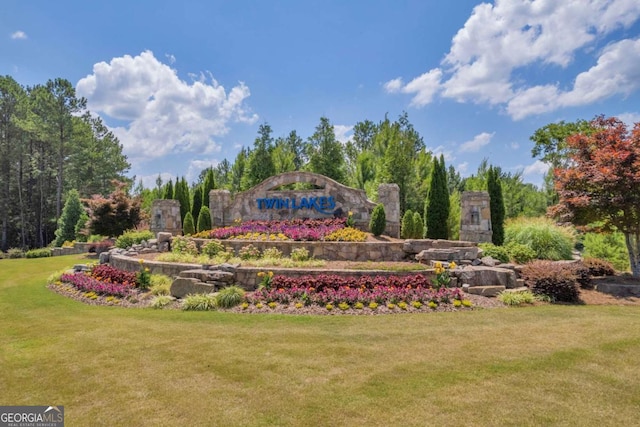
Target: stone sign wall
(325,198)
(475,217)
(165,216)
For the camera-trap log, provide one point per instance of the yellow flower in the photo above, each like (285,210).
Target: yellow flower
(438,264)
(141,261)
(271,274)
(350,213)
(453,265)
(261,274)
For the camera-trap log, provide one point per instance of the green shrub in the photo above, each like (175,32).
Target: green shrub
(378,220)
(38,253)
(188,228)
(96,238)
(212,248)
(516,298)
(183,245)
(418,226)
(199,302)
(598,267)
(160,284)
(229,297)
(80,228)
(249,252)
(70,215)
(609,247)
(300,254)
(496,252)
(161,301)
(14,253)
(204,219)
(556,280)
(133,237)
(406,227)
(520,253)
(272,253)
(548,240)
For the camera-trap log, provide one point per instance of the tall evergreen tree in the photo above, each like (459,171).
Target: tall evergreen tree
(437,205)
(496,205)
(197,200)
(70,215)
(204,220)
(168,190)
(182,195)
(325,153)
(208,184)
(260,163)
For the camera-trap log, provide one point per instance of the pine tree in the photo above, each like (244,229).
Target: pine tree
(437,205)
(187,225)
(182,195)
(197,200)
(207,185)
(70,215)
(496,205)
(378,220)
(204,219)
(168,191)
(325,153)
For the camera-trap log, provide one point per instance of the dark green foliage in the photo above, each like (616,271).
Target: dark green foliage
(168,190)
(378,220)
(406,228)
(437,204)
(496,252)
(207,185)
(260,163)
(325,153)
(81,230)
(418,226)
(181,194)
(70,215)
(556,280)
(197,200)
(496,205)
(204,219)
(187,226)
(130,238)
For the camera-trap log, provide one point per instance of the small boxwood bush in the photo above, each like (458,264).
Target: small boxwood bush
(406,227)
(378,220)
(496,252)
(520,253)
(38,253)
(130,238)
(558,281)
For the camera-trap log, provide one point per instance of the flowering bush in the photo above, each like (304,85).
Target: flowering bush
(346,234)
(249,252)
(183,245)
(87,283)
(442,278)
(354,291)
(107,273)
(293,229)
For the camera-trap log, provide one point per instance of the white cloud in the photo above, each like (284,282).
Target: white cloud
(498,40)
(197,166)
(149,181)
(164,114)
(441,150)
(170,58)
(476,143)
(341,132)
(463,168)
(18,35)
(536,168)
(630,119)
(393,86)
(514,145)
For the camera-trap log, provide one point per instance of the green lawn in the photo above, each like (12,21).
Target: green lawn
(548,365)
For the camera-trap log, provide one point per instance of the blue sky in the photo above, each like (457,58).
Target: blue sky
(186,84)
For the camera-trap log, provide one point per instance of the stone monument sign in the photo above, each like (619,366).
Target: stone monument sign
(325,198)
(475,217)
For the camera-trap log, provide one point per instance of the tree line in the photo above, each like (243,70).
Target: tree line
(49,144)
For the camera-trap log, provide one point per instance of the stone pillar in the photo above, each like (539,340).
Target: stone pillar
(389,196)
(165,216)
(475,217)
(219,204)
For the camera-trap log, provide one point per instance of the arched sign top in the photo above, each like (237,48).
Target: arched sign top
(287,178)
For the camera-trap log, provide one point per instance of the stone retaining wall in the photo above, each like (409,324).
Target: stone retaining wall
(331,251)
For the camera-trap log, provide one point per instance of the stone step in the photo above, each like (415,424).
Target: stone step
(485,291)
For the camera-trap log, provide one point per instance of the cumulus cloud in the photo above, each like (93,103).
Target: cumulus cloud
(341,132)
(463,168)
(149,181)
(536,168)
(476,143)
(18,35)
(630,119)
(163,114)
(197,166)
(499,40)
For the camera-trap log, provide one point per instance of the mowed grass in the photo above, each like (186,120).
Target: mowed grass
(548,365)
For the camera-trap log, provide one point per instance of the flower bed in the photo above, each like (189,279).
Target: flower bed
(353,292)
(294,229)
(86,283)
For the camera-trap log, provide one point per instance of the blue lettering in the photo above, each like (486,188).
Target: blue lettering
(323,204)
